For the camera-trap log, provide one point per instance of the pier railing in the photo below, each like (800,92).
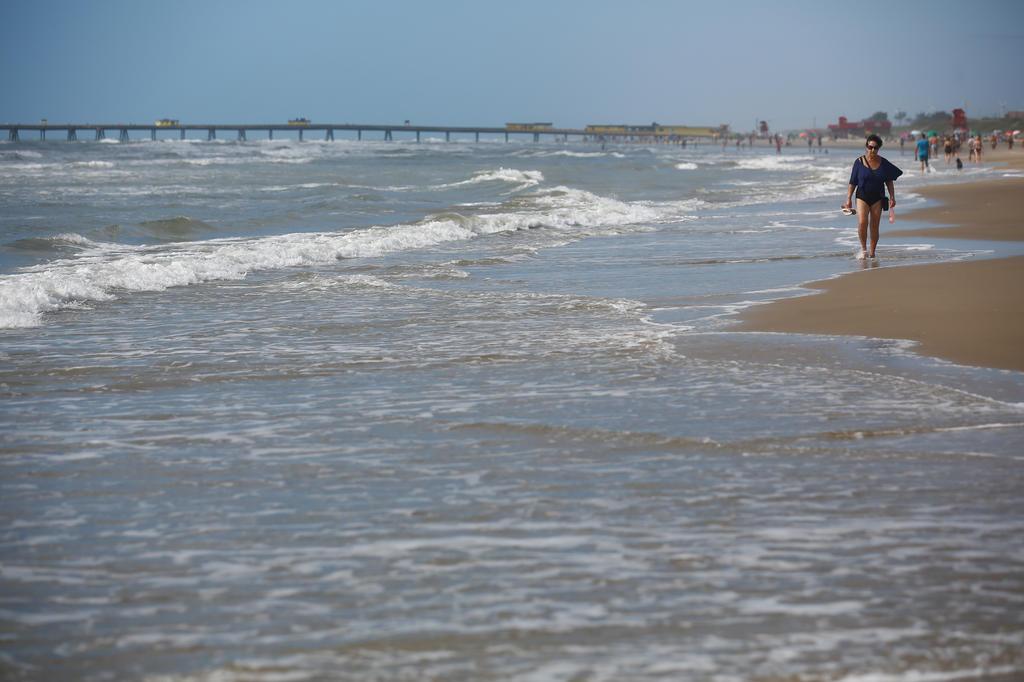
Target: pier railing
(100,131)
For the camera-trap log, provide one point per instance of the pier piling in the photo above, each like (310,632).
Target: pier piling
(535,131)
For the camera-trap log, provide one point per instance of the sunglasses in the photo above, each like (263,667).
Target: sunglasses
(871,146)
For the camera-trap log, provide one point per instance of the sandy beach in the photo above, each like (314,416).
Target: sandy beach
(970,313)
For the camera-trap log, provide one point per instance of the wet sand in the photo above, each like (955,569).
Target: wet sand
(990,210)
(970,313)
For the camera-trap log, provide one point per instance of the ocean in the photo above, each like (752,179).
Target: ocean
(277,411)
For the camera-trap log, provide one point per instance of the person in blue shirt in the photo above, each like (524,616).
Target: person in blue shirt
(921,154)
(870,177)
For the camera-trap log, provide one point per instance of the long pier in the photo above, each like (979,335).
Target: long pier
(240,131)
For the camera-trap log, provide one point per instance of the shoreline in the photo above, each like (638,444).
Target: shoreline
(969,312)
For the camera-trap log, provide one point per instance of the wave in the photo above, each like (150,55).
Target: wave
(777,163)
(92,164)
(19,155)
(534,154)
(528,178)
(524,179)
(964,675)
(686,165)
(56,243)
(178,227)
(238,160)
(103,270)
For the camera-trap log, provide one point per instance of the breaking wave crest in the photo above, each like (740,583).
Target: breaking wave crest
(103,270)
(527,178)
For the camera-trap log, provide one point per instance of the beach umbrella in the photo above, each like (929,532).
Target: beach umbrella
(932,132)
(803,134)
(915,132)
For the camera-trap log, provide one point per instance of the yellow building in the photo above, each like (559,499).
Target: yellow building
(528,127)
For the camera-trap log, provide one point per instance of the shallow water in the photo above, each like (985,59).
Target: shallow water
(282,411)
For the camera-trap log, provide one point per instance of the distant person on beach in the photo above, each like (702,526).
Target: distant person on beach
(921,152)
(959,163)
(902,141)
(979,147)
(778,144)
(870,177)
(947,147)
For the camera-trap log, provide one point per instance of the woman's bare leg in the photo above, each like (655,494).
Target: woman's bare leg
(862,225)
(876,218)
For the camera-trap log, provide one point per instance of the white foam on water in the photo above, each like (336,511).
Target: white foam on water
(686,165)
(522,178)
(289,188)
(936,676)
(777,163)
(527,178)
(93,164)
(104,270)
(576,155)
(774,605)
(529,153)
(318,282)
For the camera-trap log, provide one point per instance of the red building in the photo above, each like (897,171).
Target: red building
(847,128)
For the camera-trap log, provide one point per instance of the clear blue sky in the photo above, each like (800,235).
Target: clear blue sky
(479,62)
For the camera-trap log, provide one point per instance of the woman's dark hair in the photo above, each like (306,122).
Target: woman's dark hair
(874,138)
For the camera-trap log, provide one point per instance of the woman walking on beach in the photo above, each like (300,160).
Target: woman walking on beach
(870,177)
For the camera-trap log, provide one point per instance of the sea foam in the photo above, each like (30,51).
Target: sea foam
(103,270)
